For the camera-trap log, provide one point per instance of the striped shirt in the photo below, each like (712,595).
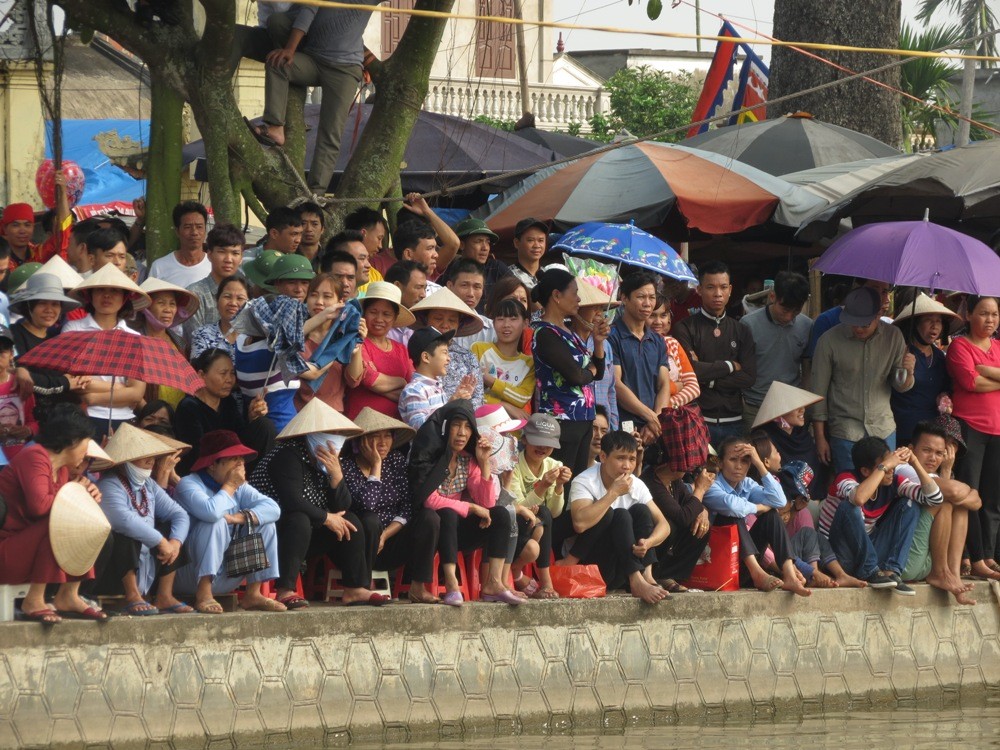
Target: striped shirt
(253,362)
(420,398)
(846,484)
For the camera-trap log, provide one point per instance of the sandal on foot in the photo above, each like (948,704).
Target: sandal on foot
(140,608)
(181,608)
(453,599)
(259,132)
(293,602)
(209,607)
(672,587)
(425,599)
(528,589)
(43,616)
(266,605)
(375,600)
(545,594)
(92,613)
(504,597)
(966,570)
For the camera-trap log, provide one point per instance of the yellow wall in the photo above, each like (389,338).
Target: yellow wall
(22,133)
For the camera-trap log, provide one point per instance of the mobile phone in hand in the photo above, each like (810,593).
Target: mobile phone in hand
(628,426)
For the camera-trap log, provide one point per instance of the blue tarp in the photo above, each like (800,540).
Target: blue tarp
(106,182)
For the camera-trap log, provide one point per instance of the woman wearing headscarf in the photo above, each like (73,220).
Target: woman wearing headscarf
(303,474)
(170,305)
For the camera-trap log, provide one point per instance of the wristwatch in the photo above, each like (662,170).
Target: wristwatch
(883,468)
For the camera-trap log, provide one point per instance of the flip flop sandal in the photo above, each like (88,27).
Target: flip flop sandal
(545,594)
(140,609)
(181,608)
(966,569)
(672,587)
(293,602)
(47,617)
(427,598)
(262,137)
(375,600)
(210,607)
(90,613)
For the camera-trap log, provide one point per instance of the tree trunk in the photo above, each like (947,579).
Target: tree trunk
(965,104)
(163,168)
(858,105)
(402,88)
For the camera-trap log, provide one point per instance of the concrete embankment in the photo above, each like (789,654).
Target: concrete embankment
(333,674)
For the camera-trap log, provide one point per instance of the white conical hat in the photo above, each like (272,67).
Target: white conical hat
(317,416)
(924,305)
(390,293)
(591,295)
(186,301)
(96,452)
(172,443)
(110,276)
(370,421)
(78,529)
(444,299)
(781,399)
(66,274)
(130,444)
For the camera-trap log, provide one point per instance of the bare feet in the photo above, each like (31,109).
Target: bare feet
(795,583)
(649,593)
(963,598)
(845,581)
(821,580)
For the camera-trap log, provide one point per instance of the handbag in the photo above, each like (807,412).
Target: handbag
(578,581)
(684,437)
(718,568)
(245,553)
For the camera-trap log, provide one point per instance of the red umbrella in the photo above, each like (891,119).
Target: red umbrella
(115,353)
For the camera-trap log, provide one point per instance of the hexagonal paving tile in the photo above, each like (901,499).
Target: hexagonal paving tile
(448,695)
(244,677)
(417,669)
(858,674)
(157,710)
(633,654)
(362,669)
(581,658)
(557,688)
(711,679)
(128,732)
(474,667)
(95,716)
(275,705)
(923,640)
(307,727)
(8,689)
(659,635)
(500,643)
(335,701)
(504,690)
(947,665)
(989,661)
(830,647)
(364,717)
(30,720)
(124,682)
(877,646)
(661,687)
(393,700)
(808,673)
(762,679)
(610,685)
(684,652)
(218,711)
(585,705)
(60,685)
(966,637)
(529,661)
(904,673)
(303,673)
(734,650)
(184,678)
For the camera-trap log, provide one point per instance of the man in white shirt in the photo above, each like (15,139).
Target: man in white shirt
(617,524)
(189,262)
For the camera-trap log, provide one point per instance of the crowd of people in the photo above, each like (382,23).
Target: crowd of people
(367,405)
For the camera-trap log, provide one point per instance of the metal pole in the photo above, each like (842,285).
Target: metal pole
(522,59)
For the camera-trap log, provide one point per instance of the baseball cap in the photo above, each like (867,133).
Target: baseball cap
(795,477)
(542,431)
(424,339)
(525,224)
(861,307)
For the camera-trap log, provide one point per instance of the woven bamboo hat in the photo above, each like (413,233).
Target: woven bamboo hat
(371,421)
(444,299)
(390,293)
(64,271)
(591,295)
(782,398)
(317,416)
(187,303)
(925,305)
(171,443)
(110,276)
(78,529)
(96,452)
(130,444)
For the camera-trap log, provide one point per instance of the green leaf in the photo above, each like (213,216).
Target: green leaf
(653,9)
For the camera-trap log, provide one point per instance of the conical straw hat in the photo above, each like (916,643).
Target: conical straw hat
(78,529)
(96,452)
(781,399)
(110,276)
(67,276)
(317,416)
(171,443)
(390,293)
(591,295)
(186,302)
(444,299)
(924,305)
(371,421)
(130,444)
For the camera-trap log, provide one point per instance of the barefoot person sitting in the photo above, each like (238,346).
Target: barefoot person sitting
(219,500)
(617,524)
(148,528)
(939,539)
(734,496)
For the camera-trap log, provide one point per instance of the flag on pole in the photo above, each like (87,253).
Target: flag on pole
(720,73)
(752,90)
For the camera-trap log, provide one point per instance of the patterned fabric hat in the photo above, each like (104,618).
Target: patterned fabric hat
(954,429)
(798,475)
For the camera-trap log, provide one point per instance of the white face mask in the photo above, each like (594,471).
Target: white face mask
(320,439)
(136,475)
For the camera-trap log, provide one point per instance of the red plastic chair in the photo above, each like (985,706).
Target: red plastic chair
(437,587)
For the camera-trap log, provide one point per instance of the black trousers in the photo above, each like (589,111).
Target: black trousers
(609,542)
(574,444)
(980,468)
(768,531)
(413,546)
(679,554)
(259,434)
(122,557)
(524,531)
(464,534)
(298,539)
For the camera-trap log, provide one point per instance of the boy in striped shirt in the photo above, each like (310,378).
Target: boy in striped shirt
(870,514)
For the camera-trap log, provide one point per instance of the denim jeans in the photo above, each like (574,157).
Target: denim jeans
(886,548)
(719,432)
(840,449)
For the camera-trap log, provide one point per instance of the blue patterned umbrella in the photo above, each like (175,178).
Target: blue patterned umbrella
(626,244)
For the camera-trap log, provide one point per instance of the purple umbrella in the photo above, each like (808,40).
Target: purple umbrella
(915,253)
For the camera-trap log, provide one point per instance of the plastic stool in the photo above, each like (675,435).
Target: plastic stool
(335,589)
(436,586)
(8,600)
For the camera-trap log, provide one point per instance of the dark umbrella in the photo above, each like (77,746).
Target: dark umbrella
(790,144)
(958,186)
(443,151)
(562,143)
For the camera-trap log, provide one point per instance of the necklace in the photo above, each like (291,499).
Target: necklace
(718,322)
(141,506)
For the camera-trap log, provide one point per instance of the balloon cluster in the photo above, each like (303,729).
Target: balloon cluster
(45,182)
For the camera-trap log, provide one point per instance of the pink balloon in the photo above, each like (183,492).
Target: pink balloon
(45,182)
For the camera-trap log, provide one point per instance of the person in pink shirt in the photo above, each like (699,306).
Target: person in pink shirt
(450,473)
(974,366)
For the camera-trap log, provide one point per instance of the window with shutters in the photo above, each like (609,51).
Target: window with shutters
(495,40)
(393,26)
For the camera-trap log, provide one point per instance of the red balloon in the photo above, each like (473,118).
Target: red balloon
(45,182)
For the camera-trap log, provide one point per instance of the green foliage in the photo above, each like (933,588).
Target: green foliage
(574,129)
(975,17)
(494,122)
(646,101)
